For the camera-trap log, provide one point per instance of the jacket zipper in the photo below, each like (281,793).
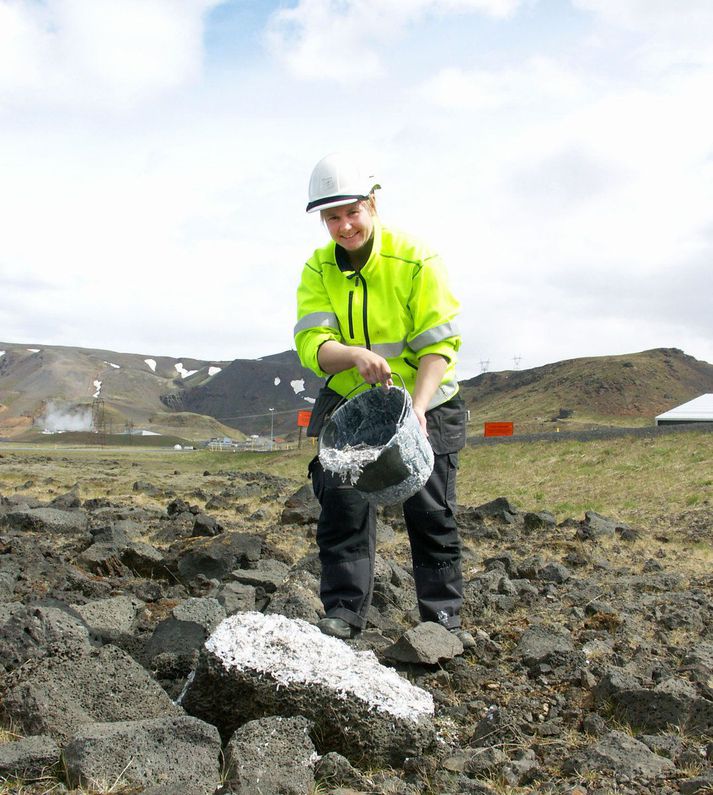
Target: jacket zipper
(364,311)
(351,319)
(364,314)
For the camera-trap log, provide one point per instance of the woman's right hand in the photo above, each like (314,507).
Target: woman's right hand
(374,369)
(334,357)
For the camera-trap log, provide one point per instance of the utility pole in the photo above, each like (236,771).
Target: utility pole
(99,420)
(484,365)
(516,360)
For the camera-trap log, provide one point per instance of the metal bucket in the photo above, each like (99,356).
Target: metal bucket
(375,442)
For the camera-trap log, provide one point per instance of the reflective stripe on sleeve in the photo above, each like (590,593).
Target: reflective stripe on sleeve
(434,335)
(389,350)
(444,392)
(317,320)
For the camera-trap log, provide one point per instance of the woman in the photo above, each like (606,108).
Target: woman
(374,302)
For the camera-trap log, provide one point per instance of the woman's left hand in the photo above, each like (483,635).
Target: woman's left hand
(421,417)
(431,368)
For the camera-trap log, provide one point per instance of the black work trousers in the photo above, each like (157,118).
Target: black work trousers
(346,536)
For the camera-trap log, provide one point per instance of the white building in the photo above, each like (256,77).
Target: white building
(699,409)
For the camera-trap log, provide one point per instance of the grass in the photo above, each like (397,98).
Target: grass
(634,480)
(659,485)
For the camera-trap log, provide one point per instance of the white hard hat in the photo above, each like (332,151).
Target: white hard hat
(338,179)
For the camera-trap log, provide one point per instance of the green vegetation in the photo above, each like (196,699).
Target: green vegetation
(660,485)
(635,480)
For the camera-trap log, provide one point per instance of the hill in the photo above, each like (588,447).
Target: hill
(51,388)
(56,388)
(592,391)
(243,394)
(61,388)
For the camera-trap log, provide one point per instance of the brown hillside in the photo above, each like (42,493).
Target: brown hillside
(35,380)
(627,390)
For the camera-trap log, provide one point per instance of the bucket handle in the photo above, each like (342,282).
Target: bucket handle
(404,408)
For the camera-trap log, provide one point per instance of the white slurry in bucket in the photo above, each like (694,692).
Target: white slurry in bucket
(349,462)
(375,441)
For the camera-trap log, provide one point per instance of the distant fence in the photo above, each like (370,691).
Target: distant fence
(594,433)
(256,446)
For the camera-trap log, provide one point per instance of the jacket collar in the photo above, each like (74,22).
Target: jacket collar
(340,255)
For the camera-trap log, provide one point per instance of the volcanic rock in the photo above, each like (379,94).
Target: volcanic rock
(255,666)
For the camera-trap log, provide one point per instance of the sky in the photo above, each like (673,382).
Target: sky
(155,157)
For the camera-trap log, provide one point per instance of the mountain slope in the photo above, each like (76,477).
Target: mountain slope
(628,389)
(54,386)
(243,393)
(59,388)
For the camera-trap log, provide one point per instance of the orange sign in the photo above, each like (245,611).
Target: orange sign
(498,429)
(303,418)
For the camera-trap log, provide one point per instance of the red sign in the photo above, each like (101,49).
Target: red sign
(498,429)
(303,418)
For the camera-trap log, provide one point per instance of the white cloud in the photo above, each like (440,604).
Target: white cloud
(662,15)
(111,54)
(552,165)
(343,39)
(672,33)
(540,79)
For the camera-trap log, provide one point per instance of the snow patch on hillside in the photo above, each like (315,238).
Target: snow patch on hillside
(309,400)
(182,370)
(298,385)
(34,350)
(214,370)
(115,366)
(152,364)
(277,380)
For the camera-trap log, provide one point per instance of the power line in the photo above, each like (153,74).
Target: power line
(252,416)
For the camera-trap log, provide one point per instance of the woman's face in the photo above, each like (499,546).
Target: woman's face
(351,225)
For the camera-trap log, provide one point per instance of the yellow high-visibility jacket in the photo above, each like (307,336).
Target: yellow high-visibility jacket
(399,305)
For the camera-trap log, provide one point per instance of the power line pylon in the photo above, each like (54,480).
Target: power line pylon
(99,420)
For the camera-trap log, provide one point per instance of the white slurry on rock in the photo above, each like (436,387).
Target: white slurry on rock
(291,650)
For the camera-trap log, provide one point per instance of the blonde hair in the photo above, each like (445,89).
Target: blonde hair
(369,202)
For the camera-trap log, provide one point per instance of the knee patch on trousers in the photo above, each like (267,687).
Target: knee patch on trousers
(434,538)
